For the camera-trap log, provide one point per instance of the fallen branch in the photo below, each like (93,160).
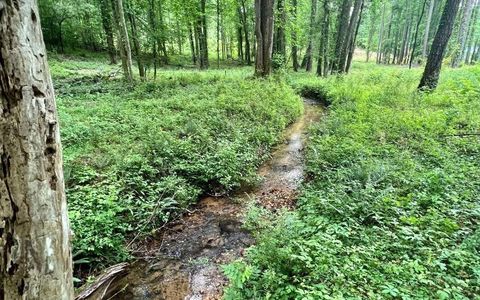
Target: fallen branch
(102,283)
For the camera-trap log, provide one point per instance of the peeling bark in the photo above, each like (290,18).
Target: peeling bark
(35,258)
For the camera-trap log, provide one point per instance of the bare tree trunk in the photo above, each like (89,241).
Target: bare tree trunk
(462,33)
(125,51)
(371,33)
(434,63)
(107,27)
(136,45)
(351,49)
(350,36)
(264,32)
(240,44)
(192,45)
(471,44)
(380,36)
(322,67)
(308,59)
(279,39)
(294,36)
(218,34)
(342,33)
(202,36)
(416,34)
(248,56)
(35,261)
(427,29)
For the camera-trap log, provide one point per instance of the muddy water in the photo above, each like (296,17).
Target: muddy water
(183,261)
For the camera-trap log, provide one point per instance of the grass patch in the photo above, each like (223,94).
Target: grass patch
(391,209)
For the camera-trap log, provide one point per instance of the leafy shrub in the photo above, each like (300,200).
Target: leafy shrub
(391,210)
(135,156)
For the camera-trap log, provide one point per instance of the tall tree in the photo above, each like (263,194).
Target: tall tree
(459,55)
(35,261)
(107,27)
(136,43)
(426,35)
(264,33)
(201,29)
(323,57)
(380,35)
(342,31)
(294,36)
(279,38)
(412,55)
(124,42)
(431,73)
(307,61)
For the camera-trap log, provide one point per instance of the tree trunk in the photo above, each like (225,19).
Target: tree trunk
(462,34)
(136,45)
(125,51)
(202,36)
(351,49)
(323,61)
(192,44)
(371,33)
(248,56)
(107,27)
(264,33)
(342,31)
(307,60)
(434,63)
(294,36)
(279,39)
(380,36)
(35,261)
(416,34)
(350,36)
(471,45)
(427,29)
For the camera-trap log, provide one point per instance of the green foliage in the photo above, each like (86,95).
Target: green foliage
(391,210)
(135,156)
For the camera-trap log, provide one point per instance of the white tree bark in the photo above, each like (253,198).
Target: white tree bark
(427,29)
(35,260)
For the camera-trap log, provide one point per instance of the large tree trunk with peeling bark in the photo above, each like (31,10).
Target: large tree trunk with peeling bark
(434,63)
(264,34)
(35,261)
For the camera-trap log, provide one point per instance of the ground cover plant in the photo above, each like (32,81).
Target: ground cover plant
(391,206)
(135,156)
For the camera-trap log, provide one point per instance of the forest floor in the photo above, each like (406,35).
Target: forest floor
(388,208)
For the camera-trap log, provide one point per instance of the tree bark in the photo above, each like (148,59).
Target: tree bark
(431,73)
(294,36)
(136,45)
(471,46)
(351,49)
(35,261)
(308,59)
(427,29)
(248,56)
(462,34)
(107,27)
(264,33)
(323,61)
(350,36)
(125,50)
(202,36)
(380,36)
(342,30)
(416,34)
(279,39)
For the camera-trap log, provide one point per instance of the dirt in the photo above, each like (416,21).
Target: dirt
(183,261)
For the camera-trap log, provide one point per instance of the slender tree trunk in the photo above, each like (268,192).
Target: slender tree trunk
(136,45)
(434,63)
(202,36)
(294,36)
(192,44)
(125,50)
(350,36)
(462,33)
(308,59)
(240,43)
(264,32)
(107,27)
(35,260)
(471,44)
(353,42)
(380,36)
(248,56)
(427,29)
(371,33)
(416,34)
(342,33)
(279,39)
(218,34)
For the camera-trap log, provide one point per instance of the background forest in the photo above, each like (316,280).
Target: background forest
(159,106)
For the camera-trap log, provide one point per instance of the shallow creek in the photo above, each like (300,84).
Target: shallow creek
(183,261)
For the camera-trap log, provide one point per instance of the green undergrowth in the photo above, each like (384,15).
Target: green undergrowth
(135,156)
(391,206)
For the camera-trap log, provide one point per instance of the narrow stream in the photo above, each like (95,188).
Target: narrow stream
(183,261)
